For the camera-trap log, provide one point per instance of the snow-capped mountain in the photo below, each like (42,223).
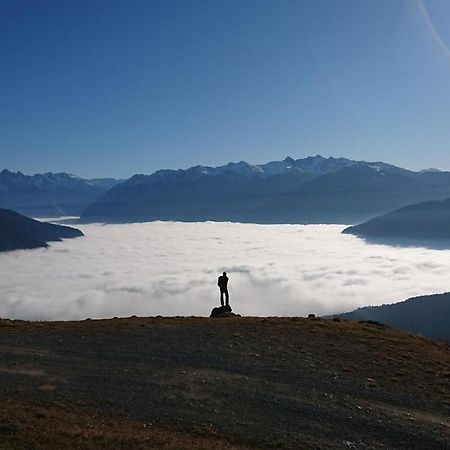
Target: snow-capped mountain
(306,190)
(50,193)
(313,166)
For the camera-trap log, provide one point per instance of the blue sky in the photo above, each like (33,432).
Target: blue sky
(113,88)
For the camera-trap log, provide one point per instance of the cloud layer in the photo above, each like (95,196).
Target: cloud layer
(171,268)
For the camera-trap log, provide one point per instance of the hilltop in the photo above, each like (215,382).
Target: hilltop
(238,383)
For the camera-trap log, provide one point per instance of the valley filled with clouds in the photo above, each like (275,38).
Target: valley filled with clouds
(171,268)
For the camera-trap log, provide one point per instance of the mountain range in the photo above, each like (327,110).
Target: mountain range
(50,194)
(306,190)
(309,190)
(18,232)
(428,315)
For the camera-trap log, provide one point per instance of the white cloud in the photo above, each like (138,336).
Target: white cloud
(171,269)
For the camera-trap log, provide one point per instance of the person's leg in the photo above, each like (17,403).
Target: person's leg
(227,297)
(221,297)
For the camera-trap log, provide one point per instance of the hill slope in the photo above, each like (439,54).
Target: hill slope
(240,383)
(428,315)
(428,220)
(20,232)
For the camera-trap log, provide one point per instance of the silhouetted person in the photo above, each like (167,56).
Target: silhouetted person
(222,282)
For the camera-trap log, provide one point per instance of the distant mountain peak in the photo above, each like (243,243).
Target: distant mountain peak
(49,193)
(9,173)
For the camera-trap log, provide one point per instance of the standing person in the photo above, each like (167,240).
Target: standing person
(222,282)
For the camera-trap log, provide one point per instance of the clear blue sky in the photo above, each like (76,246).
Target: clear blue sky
(112,88)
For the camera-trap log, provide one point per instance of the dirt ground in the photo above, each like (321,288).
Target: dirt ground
(230,383)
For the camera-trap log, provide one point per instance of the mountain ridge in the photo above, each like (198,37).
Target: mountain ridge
(50,194)
(306,190)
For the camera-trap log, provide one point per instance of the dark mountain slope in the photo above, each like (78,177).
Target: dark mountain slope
(351,194)
(20,232)
(198,193)
(50,193)
(428,220)
(426,315)
(434,178)
(363,177)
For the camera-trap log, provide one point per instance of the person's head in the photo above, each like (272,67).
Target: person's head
(224,274)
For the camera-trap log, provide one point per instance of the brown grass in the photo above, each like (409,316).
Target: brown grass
(193,383)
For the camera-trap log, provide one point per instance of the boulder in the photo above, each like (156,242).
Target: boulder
(222,311)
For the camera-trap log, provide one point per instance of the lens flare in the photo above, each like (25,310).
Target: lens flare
(433,30)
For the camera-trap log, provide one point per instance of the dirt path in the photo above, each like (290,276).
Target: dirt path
(221,383)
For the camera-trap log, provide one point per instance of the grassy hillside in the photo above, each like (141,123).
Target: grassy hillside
(240,383)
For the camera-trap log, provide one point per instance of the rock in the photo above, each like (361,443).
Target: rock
(371,322)
(222,311)
(311,316)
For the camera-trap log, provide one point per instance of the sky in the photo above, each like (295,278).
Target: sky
(171,268)
(117,87)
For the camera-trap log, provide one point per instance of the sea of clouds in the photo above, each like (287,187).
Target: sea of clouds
(171,268)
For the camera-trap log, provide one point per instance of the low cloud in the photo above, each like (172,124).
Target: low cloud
(172,268)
